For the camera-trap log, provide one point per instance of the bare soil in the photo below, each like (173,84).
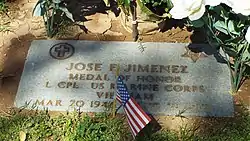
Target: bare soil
(15,43)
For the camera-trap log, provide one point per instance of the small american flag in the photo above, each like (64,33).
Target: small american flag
(137,118)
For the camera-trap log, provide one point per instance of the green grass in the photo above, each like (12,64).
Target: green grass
(40,126)
(5,27)
(3,6)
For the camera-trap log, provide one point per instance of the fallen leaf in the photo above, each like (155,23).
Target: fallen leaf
(22,136)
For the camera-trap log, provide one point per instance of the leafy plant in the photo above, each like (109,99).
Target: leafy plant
(54,12)
(157,2)
(157,5)
(155,9)
(157,12)
(227,28)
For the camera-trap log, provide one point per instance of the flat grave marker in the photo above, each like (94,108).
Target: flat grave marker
(164,78)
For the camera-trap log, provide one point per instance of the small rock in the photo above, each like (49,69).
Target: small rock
(98,23)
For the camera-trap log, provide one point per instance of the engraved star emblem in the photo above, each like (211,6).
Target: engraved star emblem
(194,55)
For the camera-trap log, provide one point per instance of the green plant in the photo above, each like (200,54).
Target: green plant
(3,6)
(54,12)
(70,127)
(227,27)
(4,27)
(227,30)
(155,10)
(149,134)
(39,125)
(188,133)
(65,29)
(156,3)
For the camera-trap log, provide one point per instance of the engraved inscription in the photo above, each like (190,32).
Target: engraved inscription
(145,88)
(82,75)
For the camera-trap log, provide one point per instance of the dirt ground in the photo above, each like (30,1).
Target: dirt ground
(23,29)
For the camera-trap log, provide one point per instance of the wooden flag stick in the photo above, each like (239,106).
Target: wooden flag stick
(114,101)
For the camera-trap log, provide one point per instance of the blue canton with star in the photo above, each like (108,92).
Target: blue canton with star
(123,91)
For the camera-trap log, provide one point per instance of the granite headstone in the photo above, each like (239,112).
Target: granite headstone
(164,78)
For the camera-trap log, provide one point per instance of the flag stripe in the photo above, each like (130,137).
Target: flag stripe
(132,123)
(131,128)
(135,113)
(134,128)
(145,117)
(118,92)
(137,121)
(118,98)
